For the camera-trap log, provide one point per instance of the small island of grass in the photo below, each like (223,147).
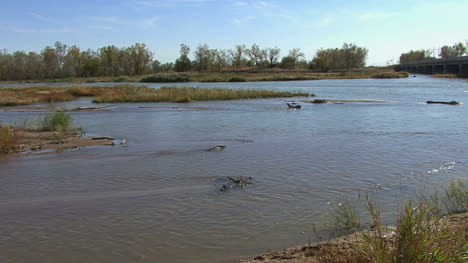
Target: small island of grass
(133,94)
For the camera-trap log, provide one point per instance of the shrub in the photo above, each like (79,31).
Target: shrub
(9,139)
(165,78)
(319,101)
(237,79)
(58,121)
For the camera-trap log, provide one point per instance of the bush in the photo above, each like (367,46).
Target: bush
(9,139)
(165,78)
(58,121)
(237,79)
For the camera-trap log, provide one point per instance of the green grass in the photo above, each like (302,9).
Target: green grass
(57,121)
(422,232)
(346,216)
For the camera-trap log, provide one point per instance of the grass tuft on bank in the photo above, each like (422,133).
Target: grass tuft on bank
(9,139)
(422,232)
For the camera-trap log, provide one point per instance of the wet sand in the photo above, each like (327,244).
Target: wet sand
(39,143)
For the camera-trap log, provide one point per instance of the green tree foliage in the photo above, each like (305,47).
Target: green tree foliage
(415,55)
(204,58)
(347,57)
(457,50)
(183,63)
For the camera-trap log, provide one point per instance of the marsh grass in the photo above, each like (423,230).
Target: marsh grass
(30,95)
(57,121)
(9,139)
(184,94)
(132,93)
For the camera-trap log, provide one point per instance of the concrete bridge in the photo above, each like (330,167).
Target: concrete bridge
(455,65)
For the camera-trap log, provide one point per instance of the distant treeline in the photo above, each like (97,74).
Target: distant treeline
(457,50)
(62,61)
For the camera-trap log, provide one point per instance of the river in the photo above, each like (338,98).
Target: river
(159,199)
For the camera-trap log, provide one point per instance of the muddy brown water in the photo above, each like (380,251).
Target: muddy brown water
(158,199)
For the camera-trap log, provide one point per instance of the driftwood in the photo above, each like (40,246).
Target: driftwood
(296,107)
(103,138)
(240,181)
(91,108)
(218,147)
(443,102)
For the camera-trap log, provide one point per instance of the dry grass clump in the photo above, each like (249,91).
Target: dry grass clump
(9,139)
(30,95)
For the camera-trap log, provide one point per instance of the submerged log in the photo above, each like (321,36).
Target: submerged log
(296,107)
(234,182)
(453,102)
(218,147)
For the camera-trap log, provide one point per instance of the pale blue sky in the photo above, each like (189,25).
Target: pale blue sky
(386,28)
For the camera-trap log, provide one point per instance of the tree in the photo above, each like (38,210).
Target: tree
(256,56)
(220,58)
(347,57)
(354,56)
(60,51)
(73,62)
(237,56)
(141,58)
(415,55)
(109,61)
(183,63)
(203,57)
(49,62)
(273,56)
(292,58)
(457,50)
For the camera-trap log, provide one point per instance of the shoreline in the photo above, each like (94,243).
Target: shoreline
(32,142)
(344,247)
(229,76)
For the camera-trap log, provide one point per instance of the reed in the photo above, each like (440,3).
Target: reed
(184,94)
(57,121)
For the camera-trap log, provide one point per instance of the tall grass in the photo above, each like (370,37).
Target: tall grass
(422,233)
(57,121)
(128,93)
(131,93)
(9,139)
(346,216)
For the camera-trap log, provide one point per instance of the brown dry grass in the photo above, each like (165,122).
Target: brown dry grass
(130,93)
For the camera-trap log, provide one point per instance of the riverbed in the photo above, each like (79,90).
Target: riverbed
(159,198)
